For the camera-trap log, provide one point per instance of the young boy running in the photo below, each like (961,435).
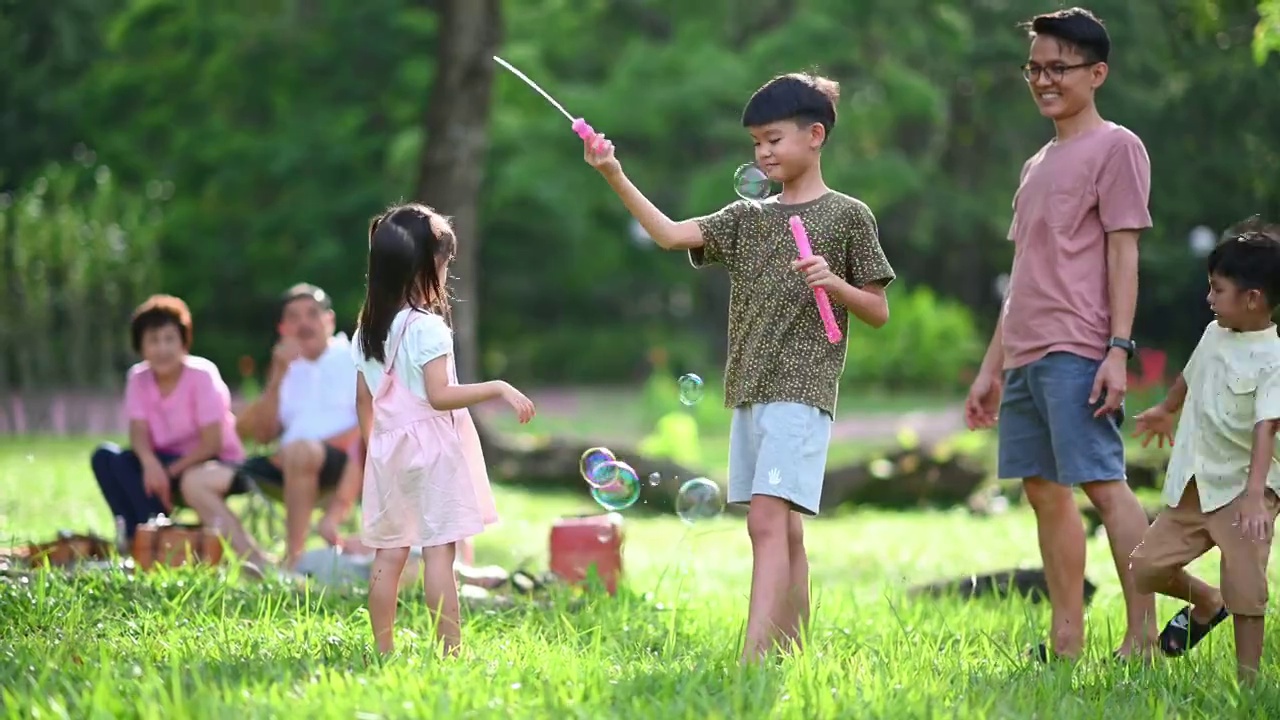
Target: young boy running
(782,374)
(1223,477)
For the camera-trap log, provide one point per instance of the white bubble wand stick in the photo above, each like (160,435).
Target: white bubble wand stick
(579,125)
(819,294)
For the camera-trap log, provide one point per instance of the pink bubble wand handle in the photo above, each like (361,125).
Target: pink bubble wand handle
(585,132)
(580,126)
(819,294)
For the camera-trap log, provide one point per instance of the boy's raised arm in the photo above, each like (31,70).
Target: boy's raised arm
(667,233)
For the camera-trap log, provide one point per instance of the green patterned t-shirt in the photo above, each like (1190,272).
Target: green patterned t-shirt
(778,348)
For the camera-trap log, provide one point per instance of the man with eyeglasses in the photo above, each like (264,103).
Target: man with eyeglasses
(1060,350)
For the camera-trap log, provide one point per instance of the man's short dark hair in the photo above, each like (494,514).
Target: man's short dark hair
(306,290)
(1078,28)
(1250,258)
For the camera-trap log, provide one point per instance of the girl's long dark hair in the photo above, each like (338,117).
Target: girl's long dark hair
(406,245)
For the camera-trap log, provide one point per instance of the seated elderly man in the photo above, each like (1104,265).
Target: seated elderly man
(309,406)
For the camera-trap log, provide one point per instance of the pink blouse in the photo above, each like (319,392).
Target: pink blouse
(174,420)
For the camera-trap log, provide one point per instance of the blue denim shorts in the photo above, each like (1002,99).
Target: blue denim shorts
(1047,428)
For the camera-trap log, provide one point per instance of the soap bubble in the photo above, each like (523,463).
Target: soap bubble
(655,479)
(615,485)
(881,468)
(699,499)
(591,459)
(690,388)
(751,183)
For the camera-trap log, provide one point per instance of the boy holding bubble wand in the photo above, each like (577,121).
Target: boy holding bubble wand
(782,372)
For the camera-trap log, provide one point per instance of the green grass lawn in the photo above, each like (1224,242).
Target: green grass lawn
(197,644)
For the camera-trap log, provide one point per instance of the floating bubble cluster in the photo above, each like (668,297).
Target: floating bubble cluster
(591,459)
(615,485)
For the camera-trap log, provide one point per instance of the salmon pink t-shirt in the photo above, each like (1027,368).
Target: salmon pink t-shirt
(199,398)
(1070,196)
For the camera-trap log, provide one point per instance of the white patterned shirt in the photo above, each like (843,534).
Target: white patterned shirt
(1233,383)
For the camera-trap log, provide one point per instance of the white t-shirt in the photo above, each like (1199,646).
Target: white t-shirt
(1233,383)
(427,339)
(318,397)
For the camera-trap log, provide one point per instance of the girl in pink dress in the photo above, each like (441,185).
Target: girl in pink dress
(425,483)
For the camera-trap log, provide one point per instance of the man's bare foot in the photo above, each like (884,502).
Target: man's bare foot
(260,560)
(252,571)
(1145,652)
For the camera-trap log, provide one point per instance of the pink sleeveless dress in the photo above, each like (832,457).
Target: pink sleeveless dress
(425,482)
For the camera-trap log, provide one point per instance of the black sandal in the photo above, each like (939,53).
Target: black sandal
(1183,633)
(527,582)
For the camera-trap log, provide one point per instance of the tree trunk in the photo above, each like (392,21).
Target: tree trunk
(457,140)
(451,171)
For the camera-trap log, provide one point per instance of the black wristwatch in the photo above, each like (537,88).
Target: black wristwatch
(1128,346)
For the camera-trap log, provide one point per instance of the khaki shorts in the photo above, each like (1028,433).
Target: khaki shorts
(1184,533)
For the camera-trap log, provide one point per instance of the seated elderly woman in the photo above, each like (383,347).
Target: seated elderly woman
(179,412)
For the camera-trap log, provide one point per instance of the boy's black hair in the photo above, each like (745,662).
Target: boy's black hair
(1250,258)
(1077,27)
(801,97)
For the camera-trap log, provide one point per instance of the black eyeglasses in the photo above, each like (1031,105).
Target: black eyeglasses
(1031,72)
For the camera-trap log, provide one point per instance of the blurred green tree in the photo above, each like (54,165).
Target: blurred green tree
(77,252)
(283,125)
(1266,38)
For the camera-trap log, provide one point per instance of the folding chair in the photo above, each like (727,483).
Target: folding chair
(262,513)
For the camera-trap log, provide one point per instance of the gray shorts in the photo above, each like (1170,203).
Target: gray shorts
(779,449)
(1047,428)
